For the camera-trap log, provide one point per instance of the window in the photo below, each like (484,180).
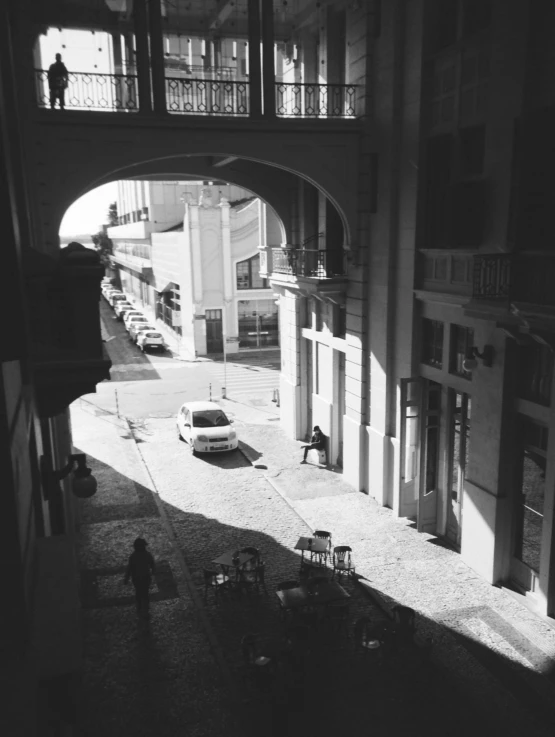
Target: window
(167,304)
(461,340)
(535,373)
(432,342)
(248,274)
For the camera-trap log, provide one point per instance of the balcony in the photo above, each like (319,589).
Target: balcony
(445,271)
(214,94)
(134,256)
(305,270)
(504,282)
(112,93)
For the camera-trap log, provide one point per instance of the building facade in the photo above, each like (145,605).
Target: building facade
(196,269)
(404,147)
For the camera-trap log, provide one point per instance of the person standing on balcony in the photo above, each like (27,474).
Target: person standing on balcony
(57,82)
(317,442)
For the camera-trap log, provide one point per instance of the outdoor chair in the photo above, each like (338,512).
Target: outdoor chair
(257,667)
(254,578)
(372,639)
(315,581)
(342,561)
(250,550)
(324,535)
(216,581)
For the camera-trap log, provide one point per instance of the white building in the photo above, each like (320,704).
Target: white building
(188,254)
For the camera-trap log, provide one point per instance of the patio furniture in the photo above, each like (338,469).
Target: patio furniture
(284,585)
(301,596)
(214,581)
(404,618)
(253,578)
(316,547)
(342,561)
(254,552)
(232,562)
(324,535)
(257,667)
(336,616)
(371,639)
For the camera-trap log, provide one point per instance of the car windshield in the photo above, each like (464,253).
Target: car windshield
(153,335)
(210,418)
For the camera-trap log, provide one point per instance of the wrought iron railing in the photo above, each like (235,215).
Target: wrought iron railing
(92,91)
(207,97)
(303,100)
(523,277)
(320,264)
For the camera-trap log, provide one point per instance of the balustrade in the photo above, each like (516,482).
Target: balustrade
(320,264)
(92,91)
(207,96)
(517,277)
(303,100)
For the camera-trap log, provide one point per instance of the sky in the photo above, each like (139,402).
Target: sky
(89,212)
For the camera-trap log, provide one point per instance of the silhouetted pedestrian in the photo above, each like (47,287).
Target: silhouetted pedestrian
(317,441)
(57,82)
(139,570)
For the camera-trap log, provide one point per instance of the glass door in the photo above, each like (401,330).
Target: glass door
(411,390)
(429,458)
(459,446)
(529,503)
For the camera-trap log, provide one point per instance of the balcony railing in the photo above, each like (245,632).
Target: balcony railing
(515,277)
(303,100)
(207,97)
(319,264)
(91,91)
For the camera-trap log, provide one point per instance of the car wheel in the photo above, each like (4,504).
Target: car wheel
(179,435)
(192,448)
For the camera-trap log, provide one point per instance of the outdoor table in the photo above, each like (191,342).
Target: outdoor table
(314,545)
(302,596)
(226,561)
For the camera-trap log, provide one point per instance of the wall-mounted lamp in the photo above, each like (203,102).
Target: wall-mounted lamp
(84,484)
(472,353)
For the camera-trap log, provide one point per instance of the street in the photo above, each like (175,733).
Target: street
(183,672)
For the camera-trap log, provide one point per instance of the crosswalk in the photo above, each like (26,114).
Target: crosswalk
(244,379)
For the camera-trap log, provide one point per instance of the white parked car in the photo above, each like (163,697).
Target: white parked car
(149,339)
(107,291)
(137,327)
(131,313)
(121,308)
(205,426)
(135,320)
(115,297)
(128,321)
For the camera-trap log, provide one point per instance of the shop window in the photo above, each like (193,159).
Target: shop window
(461,340)
(432,342)
(258,322)
(248,274)
(535,373)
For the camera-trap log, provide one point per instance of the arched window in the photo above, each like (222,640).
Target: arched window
(248,274)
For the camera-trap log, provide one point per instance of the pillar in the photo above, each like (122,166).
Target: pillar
(268,60)
(255,70)
(157,67)
(142,60)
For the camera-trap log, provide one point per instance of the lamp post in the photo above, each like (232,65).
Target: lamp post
(84,483)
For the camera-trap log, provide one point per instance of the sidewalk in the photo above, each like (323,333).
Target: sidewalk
(494,646)
(180,674)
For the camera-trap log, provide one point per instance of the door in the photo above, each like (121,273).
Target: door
(411,391)
(214,331)
(458,450)
(528,503)
(428,477)
(258,323)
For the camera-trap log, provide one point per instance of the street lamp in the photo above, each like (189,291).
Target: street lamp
(84,483)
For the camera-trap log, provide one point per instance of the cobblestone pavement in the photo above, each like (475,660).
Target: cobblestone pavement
(183,672)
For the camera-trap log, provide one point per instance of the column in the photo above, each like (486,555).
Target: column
(268,60)
(255,70)
(157,68)
(142,60)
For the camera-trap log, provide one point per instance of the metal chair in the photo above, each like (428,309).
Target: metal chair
(256,666)
(371,639)
(250,550)
(254,578)
(215,581)
(342,561)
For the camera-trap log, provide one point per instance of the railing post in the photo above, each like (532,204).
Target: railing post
(142,57)
(157,56)
(255,71)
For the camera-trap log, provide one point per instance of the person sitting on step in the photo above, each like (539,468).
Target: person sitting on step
(317,442)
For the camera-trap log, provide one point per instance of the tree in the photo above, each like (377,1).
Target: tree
(103,245)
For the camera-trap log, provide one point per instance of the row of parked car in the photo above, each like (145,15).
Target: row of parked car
(140,328)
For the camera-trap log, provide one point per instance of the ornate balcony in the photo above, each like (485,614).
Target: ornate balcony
(305,270)
(513,282)
(303,100)
(110,93)
(207,96)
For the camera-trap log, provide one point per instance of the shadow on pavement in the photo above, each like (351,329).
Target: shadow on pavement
(156,679)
